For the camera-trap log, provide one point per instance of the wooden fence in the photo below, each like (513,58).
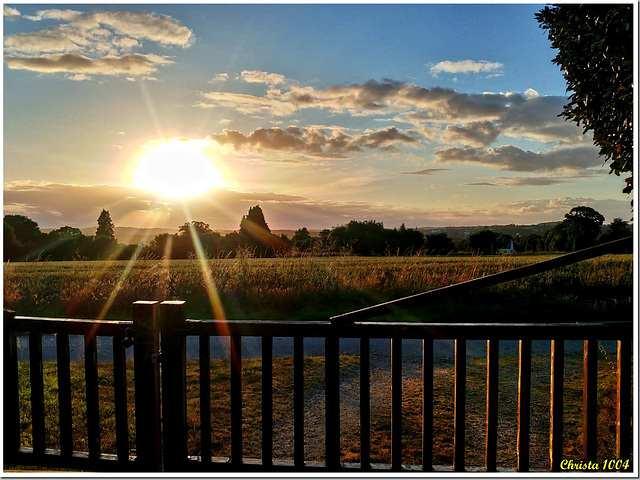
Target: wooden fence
(158,335)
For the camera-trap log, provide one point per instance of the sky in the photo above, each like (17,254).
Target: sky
(422,114)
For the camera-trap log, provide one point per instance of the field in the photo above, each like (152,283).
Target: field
(316,288)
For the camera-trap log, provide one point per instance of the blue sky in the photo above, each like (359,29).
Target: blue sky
(428,115)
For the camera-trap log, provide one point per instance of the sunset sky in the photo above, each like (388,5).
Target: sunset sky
(428,115)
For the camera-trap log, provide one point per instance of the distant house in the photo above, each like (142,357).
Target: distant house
(507,250)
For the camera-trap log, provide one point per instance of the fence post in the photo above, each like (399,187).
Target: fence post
(11,420)
(147,386)
(174,385)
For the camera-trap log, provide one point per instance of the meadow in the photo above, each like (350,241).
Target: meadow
(315,288)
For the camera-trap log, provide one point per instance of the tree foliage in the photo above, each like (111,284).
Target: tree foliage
(595,52)
(105,225)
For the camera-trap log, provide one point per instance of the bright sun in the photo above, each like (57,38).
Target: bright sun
(177,169)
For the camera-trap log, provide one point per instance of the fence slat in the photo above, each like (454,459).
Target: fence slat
(64,394)
(298,401)
(491,449)
(236,400)
(147,381)
(590,401)
(37,392)
(365,404)
(120,398)
(524,405)
(624,437)
(205,398)
(267,401)
(396,403)
(459,405)
(174,385)
(332,402)
(427,404)
(11,403)
(93,398)
(556,413)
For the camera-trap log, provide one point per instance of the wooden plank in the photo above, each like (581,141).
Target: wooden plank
(396,404)
(459,405)
(92,395)
(147,386)
(590,401)
(205,398)
(427,404)
(236,400)
(425,298)
(365,404)
(524,405)
(557,405)
(36,378)
(120,398)
(332,402)
(174,385)
(624,437)
(298,402)
(11,403)
(64,394)
(267,401)
(491,448)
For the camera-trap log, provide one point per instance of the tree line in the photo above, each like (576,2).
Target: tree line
(23,240)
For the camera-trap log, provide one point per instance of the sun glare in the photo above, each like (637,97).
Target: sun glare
(177,169)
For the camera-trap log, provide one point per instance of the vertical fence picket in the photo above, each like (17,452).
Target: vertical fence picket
(64,394)
(524,405)
(365,404)
(205,399)
(491,448)
(120,398)
(174,385)
(267,401)
(396,403)
(91,380)
(427,404)
(556,413)
(298,402)
(332,402)
(624,437)
(147,382)
(590,401)
(11,403)
(236,400)
(37,392)
(459,405)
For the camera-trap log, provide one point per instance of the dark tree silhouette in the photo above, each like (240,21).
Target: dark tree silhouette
(439,243)
(618,229)
(254,224)
(595,52)
(483,242)
(105,225)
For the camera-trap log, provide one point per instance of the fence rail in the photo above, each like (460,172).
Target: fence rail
(158,335)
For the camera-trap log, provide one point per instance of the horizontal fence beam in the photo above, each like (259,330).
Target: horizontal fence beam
(425,298)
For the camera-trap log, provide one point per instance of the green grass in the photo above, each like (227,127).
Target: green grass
(315,288)
(381,421)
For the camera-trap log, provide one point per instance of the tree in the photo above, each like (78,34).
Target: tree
(618,229)
(583,227)
(595,52)
(302,239)
(105,225)
(253,223)
(483,242)
(25,229)
(439,243)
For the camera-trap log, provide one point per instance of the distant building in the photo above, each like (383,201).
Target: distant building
(507,250)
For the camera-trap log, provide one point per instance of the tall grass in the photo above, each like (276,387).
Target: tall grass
(298,288)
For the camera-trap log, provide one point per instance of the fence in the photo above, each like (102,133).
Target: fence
(158,335)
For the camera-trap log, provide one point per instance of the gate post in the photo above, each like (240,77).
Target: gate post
(11,410)
(147,386)
(174,385)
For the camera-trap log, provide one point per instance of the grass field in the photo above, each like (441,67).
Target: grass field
(313,288)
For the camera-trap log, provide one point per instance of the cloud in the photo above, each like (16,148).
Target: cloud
(426,171)
(509,157)
(311,141)
(99,43)
(475,134)
(465,67)
(220,77)
(248,104)
(482,184)
(10,12)
(532,181)
(254,76)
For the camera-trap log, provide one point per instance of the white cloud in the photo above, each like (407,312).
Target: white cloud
(221,77)
(10,12)
(466,67)
(254,76)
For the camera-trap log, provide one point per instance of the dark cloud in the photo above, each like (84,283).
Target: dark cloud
(474,134)
(482,184)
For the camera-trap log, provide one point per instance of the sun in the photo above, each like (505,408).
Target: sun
(178,168)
